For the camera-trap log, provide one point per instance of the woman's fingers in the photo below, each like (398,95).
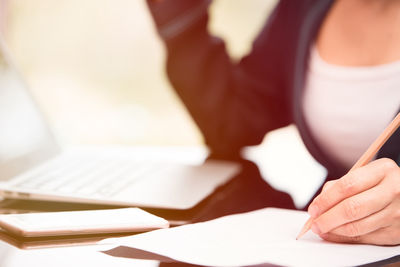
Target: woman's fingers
(351,184)
(381,219)
(361,207)
(328,185)
(353,209)
(383,236)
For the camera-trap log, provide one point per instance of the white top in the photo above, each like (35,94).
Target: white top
(346,108)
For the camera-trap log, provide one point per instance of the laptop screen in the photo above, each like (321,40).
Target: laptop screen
(25,139)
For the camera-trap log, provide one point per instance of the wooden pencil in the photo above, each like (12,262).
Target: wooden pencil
(364,159)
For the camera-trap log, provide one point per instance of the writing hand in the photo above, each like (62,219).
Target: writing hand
(361,207)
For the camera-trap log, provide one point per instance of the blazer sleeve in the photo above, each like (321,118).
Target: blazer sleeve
(233,104)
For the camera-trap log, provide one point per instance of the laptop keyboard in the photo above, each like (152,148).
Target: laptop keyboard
(87,177)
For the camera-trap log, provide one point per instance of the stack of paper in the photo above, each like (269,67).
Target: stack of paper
(263,236)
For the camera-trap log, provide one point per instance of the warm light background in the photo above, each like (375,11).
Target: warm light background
(97,66)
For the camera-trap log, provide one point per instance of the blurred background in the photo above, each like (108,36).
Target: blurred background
(96,67)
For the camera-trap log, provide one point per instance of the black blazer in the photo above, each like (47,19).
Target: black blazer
(235,105)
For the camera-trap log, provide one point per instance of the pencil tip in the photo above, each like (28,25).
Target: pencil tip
(300,234)
(305,228)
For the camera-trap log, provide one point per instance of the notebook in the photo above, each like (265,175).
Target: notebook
(34,166)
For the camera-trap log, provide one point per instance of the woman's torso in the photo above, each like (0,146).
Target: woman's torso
(351,91)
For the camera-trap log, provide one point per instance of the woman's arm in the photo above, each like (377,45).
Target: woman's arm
(234,105)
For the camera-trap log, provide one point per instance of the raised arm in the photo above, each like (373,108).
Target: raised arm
(234,105)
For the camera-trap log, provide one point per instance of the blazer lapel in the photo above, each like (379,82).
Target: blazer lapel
(306,37)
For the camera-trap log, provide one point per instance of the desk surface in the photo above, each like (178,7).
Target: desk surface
(247,191)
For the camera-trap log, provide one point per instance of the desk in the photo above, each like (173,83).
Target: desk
(245,192)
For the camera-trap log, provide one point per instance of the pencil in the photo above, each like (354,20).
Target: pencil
(364,159)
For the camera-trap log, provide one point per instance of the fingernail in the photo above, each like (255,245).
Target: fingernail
(313,211)
(315,229)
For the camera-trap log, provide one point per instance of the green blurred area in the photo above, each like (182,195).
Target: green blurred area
(96,67)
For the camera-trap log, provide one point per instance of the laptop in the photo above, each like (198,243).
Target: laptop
(34,166)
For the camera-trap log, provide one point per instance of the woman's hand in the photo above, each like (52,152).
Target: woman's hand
(361,207)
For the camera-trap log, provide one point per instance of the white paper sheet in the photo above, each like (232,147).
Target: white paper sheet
(263,236)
